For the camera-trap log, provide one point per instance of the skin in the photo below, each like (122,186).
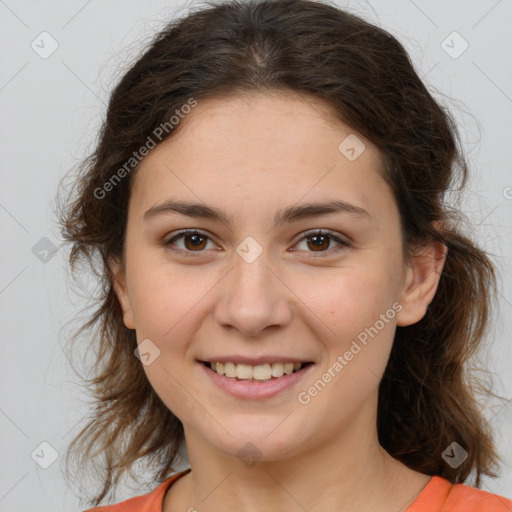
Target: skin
(251,156)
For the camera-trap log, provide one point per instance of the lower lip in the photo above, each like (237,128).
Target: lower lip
(253,389)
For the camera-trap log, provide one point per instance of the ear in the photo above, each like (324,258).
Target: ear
(122,293)
(420,283)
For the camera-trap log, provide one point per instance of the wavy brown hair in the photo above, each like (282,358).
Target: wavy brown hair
(428,397)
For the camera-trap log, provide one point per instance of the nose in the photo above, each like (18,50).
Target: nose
(253,298)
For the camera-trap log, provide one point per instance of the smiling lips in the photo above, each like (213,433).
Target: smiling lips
(259,381)
(262,372)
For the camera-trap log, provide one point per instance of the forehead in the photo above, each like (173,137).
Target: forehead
(258,147)
(280,120)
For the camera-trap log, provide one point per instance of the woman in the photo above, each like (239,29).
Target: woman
(286,290)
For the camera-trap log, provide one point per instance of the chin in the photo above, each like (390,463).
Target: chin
(259,443)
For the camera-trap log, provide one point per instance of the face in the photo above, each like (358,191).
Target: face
(263,278)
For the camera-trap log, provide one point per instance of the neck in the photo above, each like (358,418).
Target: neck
(349,471)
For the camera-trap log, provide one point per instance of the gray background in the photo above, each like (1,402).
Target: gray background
(51,109)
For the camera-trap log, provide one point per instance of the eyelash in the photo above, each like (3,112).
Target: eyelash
(308,234)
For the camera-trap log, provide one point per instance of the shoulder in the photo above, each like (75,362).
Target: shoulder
(151,502)
(439,495)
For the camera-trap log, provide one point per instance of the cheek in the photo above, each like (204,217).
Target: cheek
(167,311)
(166,301)
(359,309)
(347,300)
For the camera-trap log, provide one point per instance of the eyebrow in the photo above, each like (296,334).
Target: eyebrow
(286,215)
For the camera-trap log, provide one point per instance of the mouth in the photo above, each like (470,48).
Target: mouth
(259,373)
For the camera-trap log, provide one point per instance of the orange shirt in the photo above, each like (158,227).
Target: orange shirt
(439,495)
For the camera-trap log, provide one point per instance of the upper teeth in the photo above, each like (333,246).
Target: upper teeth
(260,372)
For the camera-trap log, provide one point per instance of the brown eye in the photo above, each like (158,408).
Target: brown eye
(193,241)
(196,242)
(316,242)
(320,241)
